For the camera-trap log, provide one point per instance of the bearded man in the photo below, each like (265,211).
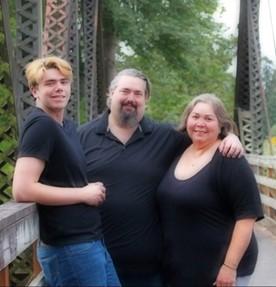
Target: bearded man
(130,154)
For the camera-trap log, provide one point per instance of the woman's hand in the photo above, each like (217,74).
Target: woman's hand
(231,146)
(239,242)
(226,277)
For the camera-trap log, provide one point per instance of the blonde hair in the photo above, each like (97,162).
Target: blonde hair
(225,122)
(34,70)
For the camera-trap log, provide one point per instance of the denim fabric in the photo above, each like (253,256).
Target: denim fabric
(84,264)
(141,280)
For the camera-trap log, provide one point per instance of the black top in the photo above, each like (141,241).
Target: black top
(59,146)
(131,173)
(198,216)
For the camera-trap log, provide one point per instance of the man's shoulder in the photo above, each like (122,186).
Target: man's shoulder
(166,134)
(38,118)
(91,126)
(151,124)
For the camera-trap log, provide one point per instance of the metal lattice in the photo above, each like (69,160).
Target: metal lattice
(249,92)
(56,28)
(7,152)
(21,268)
(21,50)
(101,79)
(28,47)
(73,57)
(60,38)
(90,23)
(245,121)
(8,125)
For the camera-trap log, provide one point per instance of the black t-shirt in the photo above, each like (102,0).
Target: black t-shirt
(65,166)
(131,173)
(198,216)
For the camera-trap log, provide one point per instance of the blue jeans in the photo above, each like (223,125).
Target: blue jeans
(84,264)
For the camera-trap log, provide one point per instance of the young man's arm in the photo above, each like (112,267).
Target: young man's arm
(26,187)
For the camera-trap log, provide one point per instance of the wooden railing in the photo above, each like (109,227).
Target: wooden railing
(264,168)
(18,231)
(19,221)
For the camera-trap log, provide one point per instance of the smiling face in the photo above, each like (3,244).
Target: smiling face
(127,101)
(202,124)
(52,93)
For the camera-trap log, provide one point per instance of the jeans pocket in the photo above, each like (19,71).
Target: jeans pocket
(82,248)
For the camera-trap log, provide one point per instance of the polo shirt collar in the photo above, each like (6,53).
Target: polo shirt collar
(145,126)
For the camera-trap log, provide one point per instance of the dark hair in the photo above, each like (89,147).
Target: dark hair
(133,73)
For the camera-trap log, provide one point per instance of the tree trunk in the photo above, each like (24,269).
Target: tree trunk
(109,45)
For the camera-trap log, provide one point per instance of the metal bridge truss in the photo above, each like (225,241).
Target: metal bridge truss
(250,104)
(90,25)
(70,30)
(61,38)
(27,46)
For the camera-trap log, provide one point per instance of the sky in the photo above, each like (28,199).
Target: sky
(267,23)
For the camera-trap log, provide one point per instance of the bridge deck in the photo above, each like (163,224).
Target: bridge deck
(265,272)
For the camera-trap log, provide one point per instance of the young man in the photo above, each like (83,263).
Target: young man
(51,171)
(130,154)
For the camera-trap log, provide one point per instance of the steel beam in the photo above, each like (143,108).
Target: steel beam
(249,96)
(90,23)
(61,38)
(27,47)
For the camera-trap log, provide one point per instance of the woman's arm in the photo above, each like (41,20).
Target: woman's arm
(239,242)
(26,187)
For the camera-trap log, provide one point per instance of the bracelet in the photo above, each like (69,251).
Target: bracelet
(230,267)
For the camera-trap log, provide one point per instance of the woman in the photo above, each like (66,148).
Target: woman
(208,205)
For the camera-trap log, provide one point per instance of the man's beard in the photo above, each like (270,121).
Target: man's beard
(128,119)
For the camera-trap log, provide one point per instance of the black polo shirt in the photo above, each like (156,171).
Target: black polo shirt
(131,173)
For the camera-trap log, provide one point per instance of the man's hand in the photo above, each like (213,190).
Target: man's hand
(231,146)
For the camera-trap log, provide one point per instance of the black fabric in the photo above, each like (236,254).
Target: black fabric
(131,174)
(198,216)
(59,147)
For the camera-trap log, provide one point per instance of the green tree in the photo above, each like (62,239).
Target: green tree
(269,80)
(177,44)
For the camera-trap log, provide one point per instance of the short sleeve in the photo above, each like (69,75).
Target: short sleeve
(37,139)
(240,189)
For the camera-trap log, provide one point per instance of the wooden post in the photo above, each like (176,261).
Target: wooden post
(36,265)
(4,277)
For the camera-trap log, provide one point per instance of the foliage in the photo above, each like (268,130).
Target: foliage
(273,130)
(178,45)
(269,80)
(7,121)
